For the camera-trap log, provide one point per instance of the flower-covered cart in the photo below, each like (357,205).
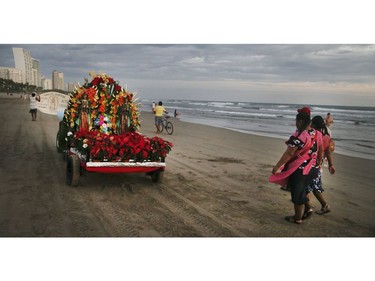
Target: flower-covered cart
(101,125)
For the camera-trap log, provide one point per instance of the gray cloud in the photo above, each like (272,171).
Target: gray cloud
(242,63)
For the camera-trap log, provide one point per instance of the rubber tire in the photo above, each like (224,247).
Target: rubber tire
(157,177)
(73,167)
(162,126)
(59,149)
(64,155)
(169,128)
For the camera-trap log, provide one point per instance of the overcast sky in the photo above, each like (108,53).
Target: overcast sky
(287,73)
(278,71)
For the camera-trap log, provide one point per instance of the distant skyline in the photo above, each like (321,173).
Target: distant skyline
(280,73)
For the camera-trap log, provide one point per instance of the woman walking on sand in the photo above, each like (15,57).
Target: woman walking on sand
(316,186)
(295,165)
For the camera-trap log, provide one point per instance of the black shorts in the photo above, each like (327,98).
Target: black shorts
(33,110)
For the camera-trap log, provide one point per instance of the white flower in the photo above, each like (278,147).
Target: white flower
(70,134)
(85,145)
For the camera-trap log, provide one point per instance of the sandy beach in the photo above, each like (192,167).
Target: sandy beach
(215,185)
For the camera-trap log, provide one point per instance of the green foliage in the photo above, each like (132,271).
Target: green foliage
(9,86)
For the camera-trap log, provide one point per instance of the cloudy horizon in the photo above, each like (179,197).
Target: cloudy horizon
(279,73)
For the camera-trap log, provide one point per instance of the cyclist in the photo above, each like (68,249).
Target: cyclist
(159,111)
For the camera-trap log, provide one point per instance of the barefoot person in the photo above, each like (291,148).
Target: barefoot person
(33,108)
(316,186)
(294,167)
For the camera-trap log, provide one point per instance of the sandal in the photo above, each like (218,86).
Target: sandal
(285,188)
(307,214)
(324,210)
(292,219)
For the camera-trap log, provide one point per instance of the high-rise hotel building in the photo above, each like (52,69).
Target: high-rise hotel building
(57,80)
(11,74)
(36,72)
(45,83)
(24,62)
(27,70)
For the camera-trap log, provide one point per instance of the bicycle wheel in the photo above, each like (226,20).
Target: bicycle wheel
(163,125)
(169,128)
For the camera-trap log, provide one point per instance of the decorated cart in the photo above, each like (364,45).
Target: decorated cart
(99,133)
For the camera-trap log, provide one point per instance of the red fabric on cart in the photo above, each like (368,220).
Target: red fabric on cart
(123,169)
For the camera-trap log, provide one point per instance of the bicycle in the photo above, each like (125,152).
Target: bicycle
(167,125)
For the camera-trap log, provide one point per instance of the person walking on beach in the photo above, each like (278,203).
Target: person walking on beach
(329,121)
(33,108)
(295,165)
(316,186)
(159,112)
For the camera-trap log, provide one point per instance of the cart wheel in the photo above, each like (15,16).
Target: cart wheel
(59,149)
(157,177)
(73,170)
(169,128)
(65,155)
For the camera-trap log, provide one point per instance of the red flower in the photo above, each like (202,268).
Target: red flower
(102,108)
(90,93)
(96,81)
(122,147)
(121,101)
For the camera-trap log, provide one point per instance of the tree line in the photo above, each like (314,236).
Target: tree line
(9,86)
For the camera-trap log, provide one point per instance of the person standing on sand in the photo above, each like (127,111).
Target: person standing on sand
(316,186)
(33,108)
(295,165)
(159,112)
(329,121)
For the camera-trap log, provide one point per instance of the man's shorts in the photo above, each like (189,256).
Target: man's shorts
(158,120)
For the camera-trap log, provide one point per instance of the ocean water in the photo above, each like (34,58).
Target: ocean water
(353,129)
